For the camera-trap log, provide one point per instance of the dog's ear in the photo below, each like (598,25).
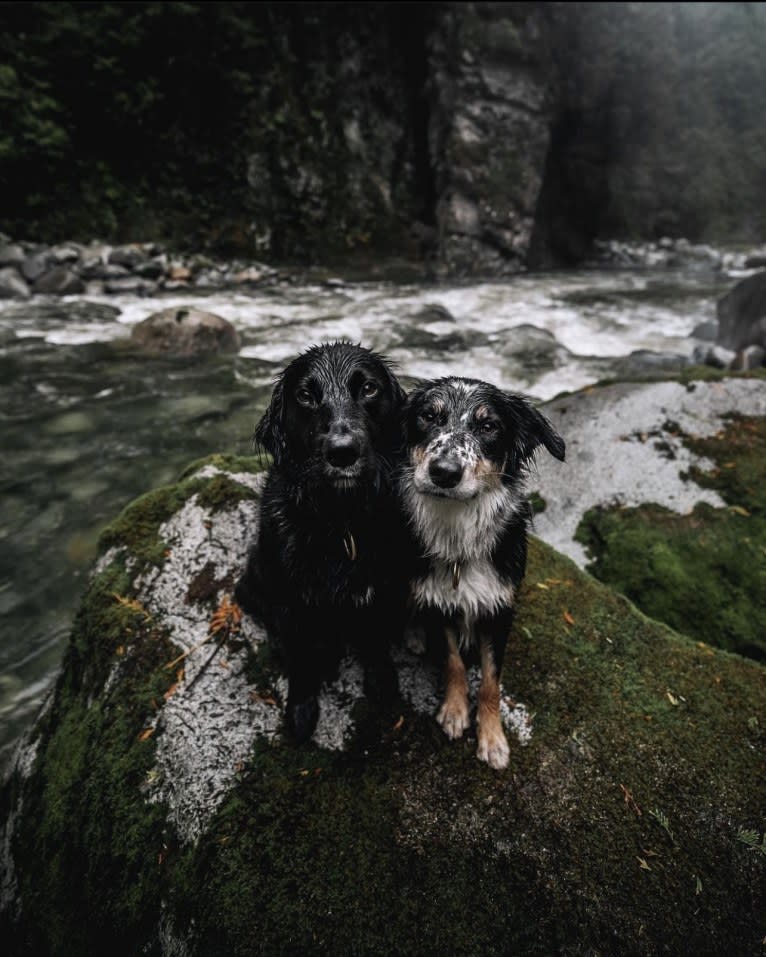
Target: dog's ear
(530,429)
(269,433)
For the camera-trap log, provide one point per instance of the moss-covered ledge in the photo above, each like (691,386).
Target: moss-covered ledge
(154,808)
(704,572)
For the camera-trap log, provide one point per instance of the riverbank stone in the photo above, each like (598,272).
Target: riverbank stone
(156,806)
(12,285)
(185,331)
(742,314)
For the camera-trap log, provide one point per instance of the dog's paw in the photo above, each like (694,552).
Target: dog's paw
(453,717)
(302,718)
(493,748)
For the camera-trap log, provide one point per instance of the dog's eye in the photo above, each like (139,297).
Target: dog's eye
(428,416)
(369,389)
(487,428)
(304,397)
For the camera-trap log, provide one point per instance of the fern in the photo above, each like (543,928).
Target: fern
(753,840)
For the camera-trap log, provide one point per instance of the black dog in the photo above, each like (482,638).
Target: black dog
(468,445)
(324,572)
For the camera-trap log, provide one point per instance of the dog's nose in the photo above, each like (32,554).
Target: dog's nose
(342,450)
(445,473)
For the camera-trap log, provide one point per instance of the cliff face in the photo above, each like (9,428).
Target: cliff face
(481,137)
(155,807)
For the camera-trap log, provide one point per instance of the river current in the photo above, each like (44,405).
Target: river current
(86,424)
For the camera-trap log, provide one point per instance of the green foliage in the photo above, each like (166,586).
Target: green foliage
(203,122)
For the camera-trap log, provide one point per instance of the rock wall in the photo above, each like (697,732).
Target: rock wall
(480,137)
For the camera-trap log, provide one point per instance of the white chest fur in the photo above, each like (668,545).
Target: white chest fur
(465,533)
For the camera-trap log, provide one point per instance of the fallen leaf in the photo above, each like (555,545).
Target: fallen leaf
(543,586)
(642,864)
(145,734)
(739,510)
(672,699)
(568,618)
(399,723)
(227,617)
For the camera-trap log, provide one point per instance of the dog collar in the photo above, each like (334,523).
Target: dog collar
(350,545)
(455,575)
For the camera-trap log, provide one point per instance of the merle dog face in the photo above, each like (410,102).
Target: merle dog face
(465,437)
(333,421)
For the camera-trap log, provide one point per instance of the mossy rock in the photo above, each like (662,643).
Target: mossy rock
(155,808)
(703,572)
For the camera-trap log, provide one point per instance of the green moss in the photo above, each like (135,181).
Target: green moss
(137,527)
(688,377)
(703,573)
(88,842)
(538,503)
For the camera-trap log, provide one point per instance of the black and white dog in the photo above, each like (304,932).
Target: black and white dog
(468,445)
(326,570)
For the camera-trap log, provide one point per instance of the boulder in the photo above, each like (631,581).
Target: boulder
(59,281)
(127,256)
(707,330)
(185,331)
(660,496)
(742,314)
(156,807)
(625,445)
(35,265)
(641,362)
(11,254)
(12,285)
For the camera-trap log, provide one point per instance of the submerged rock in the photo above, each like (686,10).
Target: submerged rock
(154,807)
(185,332)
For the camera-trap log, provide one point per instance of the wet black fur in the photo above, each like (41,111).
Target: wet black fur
(301,582)
(520,429)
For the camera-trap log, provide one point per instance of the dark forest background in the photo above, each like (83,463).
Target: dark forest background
(501,133)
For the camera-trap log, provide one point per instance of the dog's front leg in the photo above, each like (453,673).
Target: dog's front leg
(453,714)
(493,745)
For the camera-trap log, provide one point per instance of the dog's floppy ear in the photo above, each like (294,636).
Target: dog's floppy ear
(269,433)
(530,429)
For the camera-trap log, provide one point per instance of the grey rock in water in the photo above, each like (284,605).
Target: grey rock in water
(127,256)
(742,314)
(11,254)
(125,284)
(715,356)
(646,361)
(65,253)
(12,285)
(59,281)
(76,310)
(36,265)
(185,331)
(706,330)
